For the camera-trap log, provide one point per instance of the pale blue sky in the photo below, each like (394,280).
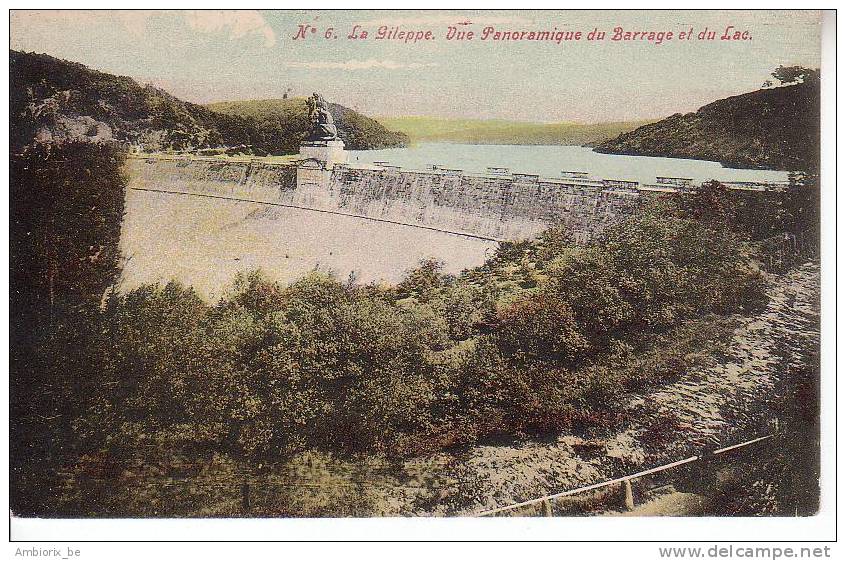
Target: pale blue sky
(214,56)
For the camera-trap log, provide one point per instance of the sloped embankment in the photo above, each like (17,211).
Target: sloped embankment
(727,396)
(731,391)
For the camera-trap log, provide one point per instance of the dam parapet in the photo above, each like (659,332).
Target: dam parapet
(496,205)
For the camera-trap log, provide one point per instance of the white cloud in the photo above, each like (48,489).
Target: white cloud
(353,64)
(132,21)
(239,23)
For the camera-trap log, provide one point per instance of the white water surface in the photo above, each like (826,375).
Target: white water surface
(550,161)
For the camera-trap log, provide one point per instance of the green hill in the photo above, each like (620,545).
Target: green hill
(284,123)
(496,131)
(774,128)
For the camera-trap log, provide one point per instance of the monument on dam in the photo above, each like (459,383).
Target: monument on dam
(322,143)
(321,150)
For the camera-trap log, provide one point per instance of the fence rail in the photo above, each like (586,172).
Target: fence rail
(626,480)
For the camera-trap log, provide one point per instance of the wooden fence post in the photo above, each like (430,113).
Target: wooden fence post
(707,469)
(245,497)
(626,495)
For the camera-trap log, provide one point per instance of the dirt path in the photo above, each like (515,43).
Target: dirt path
(671,504)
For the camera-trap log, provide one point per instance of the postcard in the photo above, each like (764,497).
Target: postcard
(329,264)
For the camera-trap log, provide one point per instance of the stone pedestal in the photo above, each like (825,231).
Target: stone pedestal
(330,152)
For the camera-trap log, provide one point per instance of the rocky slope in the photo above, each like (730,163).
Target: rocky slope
(723,400)
(54,100)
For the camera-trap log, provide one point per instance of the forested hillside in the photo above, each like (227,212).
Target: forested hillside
(54,100)
(283,123)
(774,128)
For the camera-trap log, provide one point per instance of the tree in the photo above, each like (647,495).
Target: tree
(421,281)
(66,208)
(66,211)
(540,327)
(796,74)
(710,203)
(587,281)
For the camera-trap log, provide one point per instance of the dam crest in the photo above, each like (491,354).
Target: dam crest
(497,205)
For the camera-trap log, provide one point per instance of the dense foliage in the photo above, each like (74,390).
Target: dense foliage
(65,217)
(270,371)
(65,222)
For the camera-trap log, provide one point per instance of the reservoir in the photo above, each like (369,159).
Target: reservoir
(550,161)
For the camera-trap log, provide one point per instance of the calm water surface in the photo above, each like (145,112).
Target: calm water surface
(550,161)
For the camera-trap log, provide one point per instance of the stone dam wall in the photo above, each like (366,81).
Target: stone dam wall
(495,206)
(499,207)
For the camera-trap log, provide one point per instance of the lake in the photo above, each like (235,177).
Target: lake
(550,161)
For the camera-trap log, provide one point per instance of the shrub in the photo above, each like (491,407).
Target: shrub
(421,281)
(587,281)
(672,269)
(464,308)
(540,327)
